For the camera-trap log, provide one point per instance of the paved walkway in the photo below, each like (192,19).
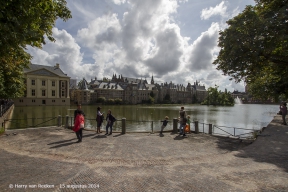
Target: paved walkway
(48,159)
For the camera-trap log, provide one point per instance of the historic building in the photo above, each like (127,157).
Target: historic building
(45,85)
(136,91)
(200,92)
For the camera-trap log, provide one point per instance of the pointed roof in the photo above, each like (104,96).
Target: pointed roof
(45,70)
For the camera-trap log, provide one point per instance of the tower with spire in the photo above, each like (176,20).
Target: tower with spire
(152,80)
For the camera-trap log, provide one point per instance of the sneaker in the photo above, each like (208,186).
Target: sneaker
(110,133)
(106,134)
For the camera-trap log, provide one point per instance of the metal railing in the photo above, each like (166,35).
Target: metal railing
(130,125)
(235,132)
(30,122)
(124,126)
(240,133)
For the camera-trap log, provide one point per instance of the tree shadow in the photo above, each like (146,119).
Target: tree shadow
(271,146)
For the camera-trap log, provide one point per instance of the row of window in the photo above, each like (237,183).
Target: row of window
(43,101)
(33,93)
(33,82)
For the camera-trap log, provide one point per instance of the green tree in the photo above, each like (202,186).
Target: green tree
(254,48)
(110,101)
(118,101)
(22,23)
(101,100)
(216,97)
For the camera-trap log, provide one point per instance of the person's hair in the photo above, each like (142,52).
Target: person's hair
(166,117)
(98,108)
(182,107)
(285,103)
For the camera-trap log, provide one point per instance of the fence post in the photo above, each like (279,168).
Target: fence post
(123,125)
(152,127)
(175,122)
(196,127)
(210,129)
(67,121)
(4,124)
(59,120)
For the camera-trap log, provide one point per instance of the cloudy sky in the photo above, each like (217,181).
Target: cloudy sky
(173,40)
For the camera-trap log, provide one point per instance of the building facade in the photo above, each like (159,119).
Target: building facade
(45,85)
(136,91)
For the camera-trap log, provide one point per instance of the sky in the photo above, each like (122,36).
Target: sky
(173,40)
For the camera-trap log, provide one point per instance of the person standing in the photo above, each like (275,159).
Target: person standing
(78,110)
(110,120)
(79,121)
(283,109)
(165,122)
(99,119)
(182,120)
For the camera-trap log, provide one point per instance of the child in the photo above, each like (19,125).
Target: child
(187,130)
(165,121)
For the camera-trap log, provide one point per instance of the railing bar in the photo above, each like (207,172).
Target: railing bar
(45,121)
(225,131)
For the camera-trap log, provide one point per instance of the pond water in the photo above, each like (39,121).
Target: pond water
(140,117)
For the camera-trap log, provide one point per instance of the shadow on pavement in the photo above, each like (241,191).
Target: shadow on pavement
(63,145)
(271,146)
(99,137)
(120,134)
(179,137)
(63,141)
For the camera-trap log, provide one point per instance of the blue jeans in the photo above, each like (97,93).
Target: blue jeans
(109,124)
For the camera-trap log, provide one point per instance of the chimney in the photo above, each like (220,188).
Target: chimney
(57,66)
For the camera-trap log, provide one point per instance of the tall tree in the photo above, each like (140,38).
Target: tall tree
(216,97)
(22,23)
(254,48)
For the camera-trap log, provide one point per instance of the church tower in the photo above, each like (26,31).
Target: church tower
(152,80)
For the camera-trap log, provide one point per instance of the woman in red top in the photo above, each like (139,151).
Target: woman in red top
(79,121)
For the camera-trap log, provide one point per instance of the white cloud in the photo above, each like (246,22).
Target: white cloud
(139,38)
(119,2)
(220,9)
(203,49)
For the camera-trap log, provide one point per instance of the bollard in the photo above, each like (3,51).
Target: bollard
(196,127)
(59,121)
(175,123)
(152,127)
(210,129)
(123,125)
(67,122)
(4,124)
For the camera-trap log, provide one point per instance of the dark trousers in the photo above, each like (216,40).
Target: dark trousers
(79,134)
(283,118)
(109,125)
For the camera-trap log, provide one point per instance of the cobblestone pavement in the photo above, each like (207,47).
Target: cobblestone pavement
(49,159)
